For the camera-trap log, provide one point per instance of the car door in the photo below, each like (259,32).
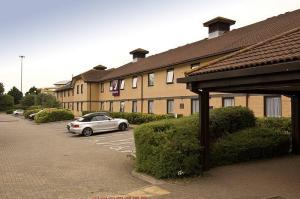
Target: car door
(103,123)
(112,123)
(95,124)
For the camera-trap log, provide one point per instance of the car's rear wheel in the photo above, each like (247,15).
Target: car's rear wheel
(87,132)
(122,126)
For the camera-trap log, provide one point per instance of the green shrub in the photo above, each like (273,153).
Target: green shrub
(34,107)
(227,120)
(53,114)
(10,111)
(282,124)
(29,112)
(6,102)
(168,148)
(249,144)
(139,118)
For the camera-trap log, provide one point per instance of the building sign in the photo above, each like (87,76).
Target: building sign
(115,88)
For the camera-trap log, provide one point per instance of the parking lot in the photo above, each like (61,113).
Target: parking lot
(44,161)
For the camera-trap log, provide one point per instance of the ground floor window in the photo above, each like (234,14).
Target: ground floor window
(81,106)
(77,106)
(134,106)
(101,106)
(228,101)
(195,106)
(150,106)
(170,106)
(111,106)
(273,106)
(122,106)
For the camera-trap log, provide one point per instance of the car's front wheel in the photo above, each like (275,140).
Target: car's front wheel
(122,126)
(87,132)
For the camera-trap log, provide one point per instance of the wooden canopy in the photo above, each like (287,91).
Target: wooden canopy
(269,67)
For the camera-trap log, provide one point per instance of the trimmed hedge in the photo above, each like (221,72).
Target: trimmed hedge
(52,115)
(136,118)
(282,124)
(10,111)
(249,144)
(168,148)
(139,118)
(227,120)
(29,112)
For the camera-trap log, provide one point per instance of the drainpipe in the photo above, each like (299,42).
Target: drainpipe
(90,96)
(142,93)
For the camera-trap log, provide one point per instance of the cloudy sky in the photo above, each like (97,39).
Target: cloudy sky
(61,38)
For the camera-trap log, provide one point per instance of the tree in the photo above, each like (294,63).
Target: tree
(1,88)
(33,91)
(28,100)
(6,102)
(47,101)
(16,94)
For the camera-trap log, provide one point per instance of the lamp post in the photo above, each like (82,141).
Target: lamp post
(22,57)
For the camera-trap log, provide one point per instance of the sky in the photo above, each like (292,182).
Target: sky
(61,38)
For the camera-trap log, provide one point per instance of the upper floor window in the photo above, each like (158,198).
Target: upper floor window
(77,89)
(122,84)
(228,101)
(150,79)
(102,87)
(68,93)
(64,93)
(170,76)
(195,65)
(134,82)
(81,88)
(170,106)
(273,106)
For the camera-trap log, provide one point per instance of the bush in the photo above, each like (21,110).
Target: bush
(139,118)
(168,148)
(52,115)
(10,111)
(282,124)
(227,120)
(249,144)
(27,100)
(29,112)
(6,102)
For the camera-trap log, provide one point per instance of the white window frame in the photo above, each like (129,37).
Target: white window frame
(122,84)
(227,104)
(150,106)
(134,82)
(170,76)
(168,106)
(151,80)
(273,109)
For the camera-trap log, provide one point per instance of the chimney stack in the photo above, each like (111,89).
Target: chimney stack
(138,54)
(218,26)
(100,67)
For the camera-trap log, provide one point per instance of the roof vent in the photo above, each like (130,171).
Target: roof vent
(138,54)
(218,26)
(100,67)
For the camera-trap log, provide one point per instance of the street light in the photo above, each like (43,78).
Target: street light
(22,57)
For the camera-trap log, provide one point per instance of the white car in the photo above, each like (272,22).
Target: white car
(18,112)
(95,123)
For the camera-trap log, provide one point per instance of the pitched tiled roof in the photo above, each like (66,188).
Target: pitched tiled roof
(229,42)
(281,48)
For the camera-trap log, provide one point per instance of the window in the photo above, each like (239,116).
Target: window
(273,106)
(150,79)
(81,106)
(73,92)
(134,82)
(122,84)
(81,88)
(68,93)
(110,86)
(195,106)
(77,106)
(72,105)
(195,65)
(134,106)
(170,76)
(77,89)
(150,106)
(64,93)
(99,118)
(122,106)
(111,106)
(68,105)
(228,101)
(170,106)
(101,106)
(102,87)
